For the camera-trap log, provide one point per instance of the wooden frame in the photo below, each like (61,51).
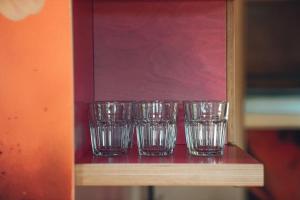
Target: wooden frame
(233,170)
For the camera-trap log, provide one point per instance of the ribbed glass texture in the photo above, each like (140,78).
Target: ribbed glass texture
(206,127)
(111,127)
(156,127)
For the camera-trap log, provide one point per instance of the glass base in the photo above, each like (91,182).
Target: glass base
(109,151)
(155,151)
(207,151)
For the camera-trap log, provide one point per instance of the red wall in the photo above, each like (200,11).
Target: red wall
(279,151)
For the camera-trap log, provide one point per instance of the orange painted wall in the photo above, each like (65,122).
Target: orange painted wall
(36,105)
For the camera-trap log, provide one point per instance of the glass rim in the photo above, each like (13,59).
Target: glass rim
(205,101)
(110,102)
(156,101)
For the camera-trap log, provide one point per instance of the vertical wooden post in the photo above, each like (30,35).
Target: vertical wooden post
(235,72)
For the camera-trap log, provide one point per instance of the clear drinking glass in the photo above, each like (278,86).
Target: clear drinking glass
(111,126)
(156,127)
(206,127)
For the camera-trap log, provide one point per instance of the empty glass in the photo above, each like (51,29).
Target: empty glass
(111,126)
(156,127)
(206,127)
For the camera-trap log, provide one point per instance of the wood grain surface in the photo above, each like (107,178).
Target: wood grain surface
(235,168)
(160,50)
(235,72)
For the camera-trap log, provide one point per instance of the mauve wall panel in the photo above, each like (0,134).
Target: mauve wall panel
(160,50)
(83,71)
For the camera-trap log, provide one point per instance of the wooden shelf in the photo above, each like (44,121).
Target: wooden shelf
(272,121)
(235,168)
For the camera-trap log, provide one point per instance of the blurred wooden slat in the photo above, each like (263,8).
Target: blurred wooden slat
(274,121)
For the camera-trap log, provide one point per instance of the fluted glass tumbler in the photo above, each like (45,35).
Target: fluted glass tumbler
(206,127)
(156,127)
(111,126)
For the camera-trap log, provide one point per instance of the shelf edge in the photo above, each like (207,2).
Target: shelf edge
(135,174)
